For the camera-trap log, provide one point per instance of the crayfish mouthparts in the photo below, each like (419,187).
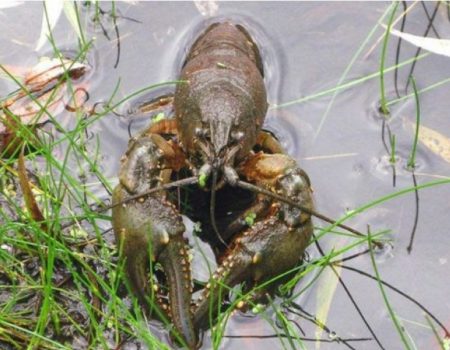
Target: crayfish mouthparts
(216,137)
(229,176)
(221,167)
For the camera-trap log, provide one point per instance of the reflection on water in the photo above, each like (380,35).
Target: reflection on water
(306,49)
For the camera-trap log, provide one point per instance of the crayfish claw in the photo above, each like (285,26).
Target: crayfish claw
(149,230)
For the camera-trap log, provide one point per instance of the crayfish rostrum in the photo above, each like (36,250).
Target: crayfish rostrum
(217,145)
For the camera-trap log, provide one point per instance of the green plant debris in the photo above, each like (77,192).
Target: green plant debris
(250,219)
(197,227)
(202,180)
(258,308)
(158,117)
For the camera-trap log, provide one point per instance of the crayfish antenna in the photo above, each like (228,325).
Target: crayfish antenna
(178,183)
(212,208)
(251,187)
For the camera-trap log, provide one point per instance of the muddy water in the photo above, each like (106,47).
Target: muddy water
(306,48)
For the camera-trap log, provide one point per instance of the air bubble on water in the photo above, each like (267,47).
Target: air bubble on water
(384,253)
(332,335)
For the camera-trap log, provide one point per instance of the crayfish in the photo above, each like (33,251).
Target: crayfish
(215,145)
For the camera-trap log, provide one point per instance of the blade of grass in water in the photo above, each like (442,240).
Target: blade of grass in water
(383,106)
(73,16)
(419,92)
(397,324)
(383,199)
(392,141)
(412,163)
(435,332)
(348,84)
(51,12)
(412,156)
(346,71)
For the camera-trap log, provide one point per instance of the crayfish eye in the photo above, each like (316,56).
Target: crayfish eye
(237,136)
(199,132)
(202,133)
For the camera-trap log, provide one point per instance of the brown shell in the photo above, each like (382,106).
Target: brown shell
(224,89)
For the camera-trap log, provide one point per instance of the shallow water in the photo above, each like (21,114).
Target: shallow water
(306,49)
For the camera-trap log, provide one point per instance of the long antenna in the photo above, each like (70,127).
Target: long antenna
(212,207)
(178,183)
(251,187)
